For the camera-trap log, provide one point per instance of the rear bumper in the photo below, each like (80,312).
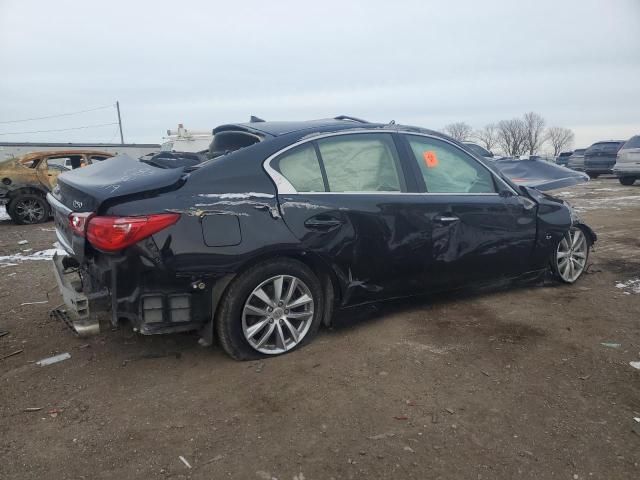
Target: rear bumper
(598,166)
(84,311)
(622,170)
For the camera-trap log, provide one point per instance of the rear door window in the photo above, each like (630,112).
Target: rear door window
(300,166)
(447,169)
(360,163)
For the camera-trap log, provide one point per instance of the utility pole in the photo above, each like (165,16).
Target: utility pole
(119,122)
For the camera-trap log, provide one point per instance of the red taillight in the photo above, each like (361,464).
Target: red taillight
(78,222)
(115,233)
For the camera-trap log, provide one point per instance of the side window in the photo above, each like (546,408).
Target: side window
(447,169)
(96,158)
(301,167)
(360,163)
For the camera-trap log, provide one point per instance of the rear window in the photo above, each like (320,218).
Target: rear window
(607,147)
(634,142)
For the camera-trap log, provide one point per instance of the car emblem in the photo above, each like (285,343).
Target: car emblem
(77,204)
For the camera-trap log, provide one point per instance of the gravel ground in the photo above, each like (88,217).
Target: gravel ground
(509,383)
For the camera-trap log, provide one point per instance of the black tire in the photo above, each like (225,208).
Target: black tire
(229,318)
(39,214)
(593,175)
(627,181)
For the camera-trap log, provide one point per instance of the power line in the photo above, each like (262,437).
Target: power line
(58,115)
(62,129)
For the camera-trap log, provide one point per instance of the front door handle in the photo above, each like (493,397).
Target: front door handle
(322,223)
(446,219)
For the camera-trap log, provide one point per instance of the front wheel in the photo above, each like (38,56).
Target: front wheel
(570,258)
(271,309)
(627,181)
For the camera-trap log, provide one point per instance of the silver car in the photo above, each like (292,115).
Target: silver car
(627,167)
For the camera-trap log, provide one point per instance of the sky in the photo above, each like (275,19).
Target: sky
(425,63)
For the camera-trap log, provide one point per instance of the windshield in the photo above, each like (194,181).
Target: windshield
(634,142)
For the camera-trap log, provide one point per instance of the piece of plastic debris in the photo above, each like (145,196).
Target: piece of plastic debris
(11,354)
(408,449)
(23,242)
(184,460)
(32,409)
(611,345)
(54,359)
(450,410)
(34,303)
(635,365)
(3,333)
(401,417)
(54,412)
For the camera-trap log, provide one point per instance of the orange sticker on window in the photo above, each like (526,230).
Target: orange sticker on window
(430,159)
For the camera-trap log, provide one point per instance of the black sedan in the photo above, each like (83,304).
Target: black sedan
(291,220)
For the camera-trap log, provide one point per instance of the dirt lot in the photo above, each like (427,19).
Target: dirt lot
(509,383)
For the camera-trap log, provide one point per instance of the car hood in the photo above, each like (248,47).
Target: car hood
(539,174)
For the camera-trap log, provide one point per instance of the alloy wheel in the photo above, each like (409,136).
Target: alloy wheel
(29,210)
(572,254)
(278,314)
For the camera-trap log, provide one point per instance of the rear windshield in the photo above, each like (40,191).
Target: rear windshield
(607,147)
(578,152)
(634,142)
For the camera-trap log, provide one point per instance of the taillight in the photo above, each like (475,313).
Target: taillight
(78,222)
(111,234)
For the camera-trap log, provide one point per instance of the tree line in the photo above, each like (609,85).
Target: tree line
(515,137)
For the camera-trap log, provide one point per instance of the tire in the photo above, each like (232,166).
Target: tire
(627,181)
(245,318)
(593,175)
(29,209)
(576,251)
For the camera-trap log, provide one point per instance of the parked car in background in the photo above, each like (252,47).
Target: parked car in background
(292,220)
(627,166)
(479,151)
(26,180)
(600,157)
(563,158)
(576,160)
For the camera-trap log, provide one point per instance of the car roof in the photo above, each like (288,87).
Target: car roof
(272,129)
(45,153)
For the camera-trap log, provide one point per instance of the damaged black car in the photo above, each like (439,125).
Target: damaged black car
(289,221)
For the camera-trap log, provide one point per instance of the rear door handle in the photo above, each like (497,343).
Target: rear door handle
(322,224)
(446,219)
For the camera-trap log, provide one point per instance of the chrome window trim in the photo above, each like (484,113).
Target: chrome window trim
(284,187)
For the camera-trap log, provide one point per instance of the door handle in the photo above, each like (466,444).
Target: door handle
(445,219)
(322,224)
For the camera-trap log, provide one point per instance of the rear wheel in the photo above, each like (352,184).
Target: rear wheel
(627,180)
(570,258)
(269,310)
(29,208)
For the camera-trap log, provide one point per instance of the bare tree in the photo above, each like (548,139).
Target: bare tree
(511,136)
(487,136)
(560,138)
(461,131)
(534,132)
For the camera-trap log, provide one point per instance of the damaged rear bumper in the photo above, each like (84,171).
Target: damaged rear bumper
(83,310)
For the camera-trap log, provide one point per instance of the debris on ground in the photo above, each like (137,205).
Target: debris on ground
(54,412)
(184,460)
(401,417)
(151,356)
(32,409)
(409,449)
(259,367)
(635,365)
(11,354)
(3,333)
(630,286)
(54,359)
(34,303)
(611,345)
(450,410)
(23,242)
(381,436)
(636,425)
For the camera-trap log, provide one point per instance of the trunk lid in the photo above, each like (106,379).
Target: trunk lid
(87,189)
